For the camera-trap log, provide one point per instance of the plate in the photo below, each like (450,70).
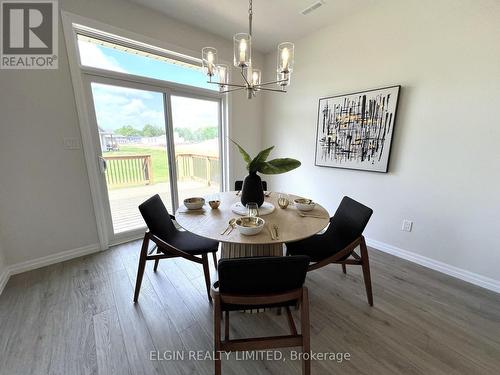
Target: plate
(266,209)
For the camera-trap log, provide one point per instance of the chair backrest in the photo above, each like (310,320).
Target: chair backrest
(238,185)
(262,275)
(157,218)
(349,221)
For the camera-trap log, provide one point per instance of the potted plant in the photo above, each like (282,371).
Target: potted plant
(252,185)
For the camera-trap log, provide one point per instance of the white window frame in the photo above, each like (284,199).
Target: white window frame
(82,76)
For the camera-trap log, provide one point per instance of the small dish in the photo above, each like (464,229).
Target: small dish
(249,225)
(304,204)
(194,203)
(214,204)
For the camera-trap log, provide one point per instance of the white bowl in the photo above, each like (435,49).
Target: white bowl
(249,226)
(304,204)
(194,203)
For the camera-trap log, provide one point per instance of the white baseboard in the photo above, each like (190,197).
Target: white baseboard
(4,277)
(52,259)
(459,273)
(45,261)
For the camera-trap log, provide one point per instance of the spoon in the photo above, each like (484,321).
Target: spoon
(230,225)
(317,216)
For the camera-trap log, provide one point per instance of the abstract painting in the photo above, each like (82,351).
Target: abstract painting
(355,130)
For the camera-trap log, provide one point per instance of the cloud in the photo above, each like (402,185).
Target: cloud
(117,106)
(91,55)
(134,107)
(194,113)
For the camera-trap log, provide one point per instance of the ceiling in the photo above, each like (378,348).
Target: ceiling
(274,21)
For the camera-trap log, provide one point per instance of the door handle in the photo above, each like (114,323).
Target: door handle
(103,164)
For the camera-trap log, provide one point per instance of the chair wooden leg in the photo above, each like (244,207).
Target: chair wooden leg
(157,262)
(291,323)
(214,254)
(142,265)
(365,264)
(206,271)
(217,332)
(305,332)
(344,269)
(226,325)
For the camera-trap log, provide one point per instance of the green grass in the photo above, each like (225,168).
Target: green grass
(158,159)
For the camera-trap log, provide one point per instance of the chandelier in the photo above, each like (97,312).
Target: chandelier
(218,74)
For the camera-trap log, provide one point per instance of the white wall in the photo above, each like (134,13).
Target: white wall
(445,163)
(45,201)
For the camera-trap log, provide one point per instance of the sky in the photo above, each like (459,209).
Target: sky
(118,106)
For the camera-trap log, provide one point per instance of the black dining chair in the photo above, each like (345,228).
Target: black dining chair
(238,185)
(171,242)
(262,282)
(339,242)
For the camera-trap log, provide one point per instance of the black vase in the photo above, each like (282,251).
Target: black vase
(252,190)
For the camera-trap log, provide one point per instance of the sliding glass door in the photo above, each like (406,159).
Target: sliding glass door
(152,140)
(197,146)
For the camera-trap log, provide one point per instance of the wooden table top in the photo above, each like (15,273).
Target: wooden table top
(292,227)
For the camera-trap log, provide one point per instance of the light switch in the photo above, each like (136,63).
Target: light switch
(71,143)
(407,226)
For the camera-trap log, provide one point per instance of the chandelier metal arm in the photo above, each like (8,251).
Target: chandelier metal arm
(274,90)
(231,90)
(227,84)
(271,82)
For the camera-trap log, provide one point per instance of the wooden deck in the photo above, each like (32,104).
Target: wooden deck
(124,201)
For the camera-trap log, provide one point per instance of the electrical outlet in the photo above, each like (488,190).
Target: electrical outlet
(407,225)
(71,143)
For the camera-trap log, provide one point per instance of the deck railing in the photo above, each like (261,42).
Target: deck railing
(129,170)
(198,167)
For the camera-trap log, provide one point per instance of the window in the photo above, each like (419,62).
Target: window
(98,53)
(148,137)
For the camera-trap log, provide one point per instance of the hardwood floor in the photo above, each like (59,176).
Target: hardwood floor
(77,317)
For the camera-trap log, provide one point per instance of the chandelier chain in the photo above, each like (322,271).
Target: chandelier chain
(250,14)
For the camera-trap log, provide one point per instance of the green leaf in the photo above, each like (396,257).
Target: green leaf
(277,166)
(244,154)
(260,158)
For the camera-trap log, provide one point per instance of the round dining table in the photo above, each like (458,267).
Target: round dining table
(292,225)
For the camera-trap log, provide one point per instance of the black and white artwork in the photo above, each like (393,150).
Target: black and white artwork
(355,130)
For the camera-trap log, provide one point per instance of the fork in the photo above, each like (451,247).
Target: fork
(276,230)
(271,233)
(225,230)
(230,229)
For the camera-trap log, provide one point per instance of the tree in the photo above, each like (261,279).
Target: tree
(185,133)
(198,135)
(152,131)
(208,133)
(128,131)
